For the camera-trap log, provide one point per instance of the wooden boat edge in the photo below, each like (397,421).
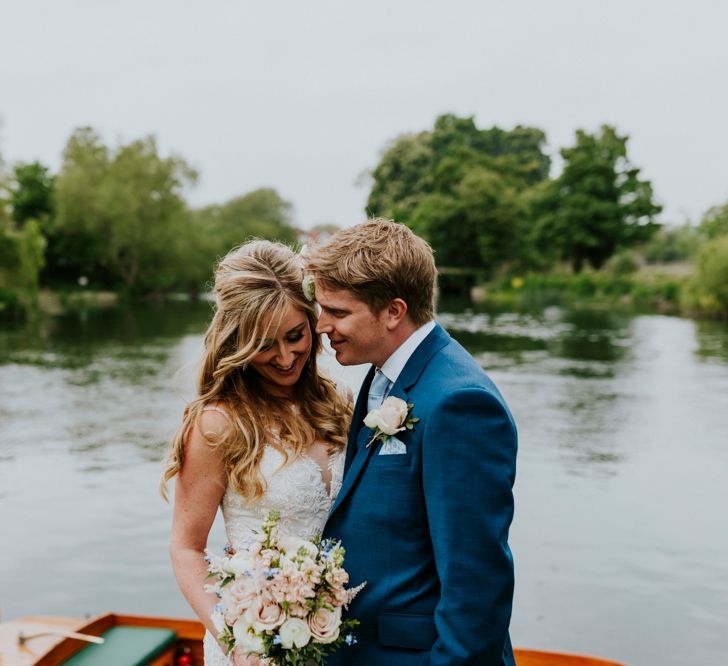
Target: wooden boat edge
(190,633)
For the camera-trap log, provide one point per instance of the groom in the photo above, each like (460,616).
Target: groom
(423,515)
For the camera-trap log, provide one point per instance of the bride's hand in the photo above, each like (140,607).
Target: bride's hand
(239,659)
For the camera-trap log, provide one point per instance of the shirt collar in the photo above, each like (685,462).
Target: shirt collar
(394,365)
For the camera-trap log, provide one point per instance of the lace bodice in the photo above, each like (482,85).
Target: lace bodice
(297,491)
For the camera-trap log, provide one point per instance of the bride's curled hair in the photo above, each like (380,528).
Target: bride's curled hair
(255,284)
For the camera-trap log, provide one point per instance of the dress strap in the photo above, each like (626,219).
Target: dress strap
(215,408)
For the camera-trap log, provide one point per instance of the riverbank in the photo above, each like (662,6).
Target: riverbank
(653,288)
(663,289)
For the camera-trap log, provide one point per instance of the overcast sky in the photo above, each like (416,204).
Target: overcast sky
(303,96)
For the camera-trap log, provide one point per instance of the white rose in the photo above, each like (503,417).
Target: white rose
(398,406)
(294,633)
(291,545)
(238,564)
(245,639)
(324,625)
(389,418)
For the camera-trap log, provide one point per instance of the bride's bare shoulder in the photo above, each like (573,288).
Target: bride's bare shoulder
(214,420)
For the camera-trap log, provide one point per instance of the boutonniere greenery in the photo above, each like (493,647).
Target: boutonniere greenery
(392,416)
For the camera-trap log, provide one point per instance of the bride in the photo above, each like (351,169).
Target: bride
(265,431)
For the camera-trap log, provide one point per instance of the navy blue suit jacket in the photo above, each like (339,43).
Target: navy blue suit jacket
(428,530)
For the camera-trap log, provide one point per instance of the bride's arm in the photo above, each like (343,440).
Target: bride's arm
(198,491)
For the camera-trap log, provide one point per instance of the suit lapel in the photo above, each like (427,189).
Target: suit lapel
(357,464)
(357,418)
(357,452)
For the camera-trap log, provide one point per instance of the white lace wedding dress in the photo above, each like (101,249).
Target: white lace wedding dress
(297,490)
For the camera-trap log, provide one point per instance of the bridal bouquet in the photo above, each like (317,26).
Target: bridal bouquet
(282,598)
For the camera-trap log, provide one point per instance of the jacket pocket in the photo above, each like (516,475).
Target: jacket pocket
(413,631)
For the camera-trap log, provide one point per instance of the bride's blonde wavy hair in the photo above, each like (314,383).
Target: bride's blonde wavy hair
(255,284)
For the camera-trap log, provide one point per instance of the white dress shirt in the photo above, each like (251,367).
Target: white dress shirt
(394,365)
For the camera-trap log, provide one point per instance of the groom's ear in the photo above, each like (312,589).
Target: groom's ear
(395,312)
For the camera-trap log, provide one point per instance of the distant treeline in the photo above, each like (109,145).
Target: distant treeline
(116,218)
(486,202)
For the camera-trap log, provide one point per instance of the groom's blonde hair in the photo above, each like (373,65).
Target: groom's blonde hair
(377,261)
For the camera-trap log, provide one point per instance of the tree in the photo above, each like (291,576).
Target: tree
(710,284)
(78,231)
(597,205)
(141,196)
(21,259)
(258,214)
(672,244)
(31,192)
(461,188)
(121,218)
(715,222)
(21,255)
(4,203)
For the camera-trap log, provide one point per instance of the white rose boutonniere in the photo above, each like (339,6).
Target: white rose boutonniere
(392,416)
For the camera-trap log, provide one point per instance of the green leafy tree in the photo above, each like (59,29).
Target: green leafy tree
(258,214)
(597,205)
(121,219)
(78,231)
(709,288)
(21,255)
(21,260)
(31,192)
(4,203)
(403,177)
(141,196)
(461,188)
(715,222)
(672,244)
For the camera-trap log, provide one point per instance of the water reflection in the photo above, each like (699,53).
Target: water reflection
(128,344)
(712,338)
(591,340)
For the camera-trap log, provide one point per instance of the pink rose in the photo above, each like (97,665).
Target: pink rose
(263,615)
(324,625)
(237,597)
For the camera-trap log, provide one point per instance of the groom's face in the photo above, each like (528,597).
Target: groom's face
(356,333)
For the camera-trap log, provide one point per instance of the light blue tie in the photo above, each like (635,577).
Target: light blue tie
(377,390)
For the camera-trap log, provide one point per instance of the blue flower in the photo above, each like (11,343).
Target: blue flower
(350,640)
(217,608)
(276,640)
(273,571)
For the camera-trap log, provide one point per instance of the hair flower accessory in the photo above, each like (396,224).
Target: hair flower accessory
(308,287)
(392,416)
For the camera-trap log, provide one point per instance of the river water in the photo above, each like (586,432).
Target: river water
(621,530)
